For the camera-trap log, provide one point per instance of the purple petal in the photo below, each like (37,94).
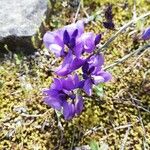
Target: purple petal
(77,63)
(46,91)
(108,13)
(53,42)
(109,25)
(68,110)
(69,65)
(53,102)
(85,67)
(64,69)
(48,38)
(88,87)
(89,41)
(146,34)
(106,75)
(97,39)
(91,69)
(53,38)
(78,105)
(96,60)
(72,42)
(69,83)
(66,37)
(97,71)
(56,49)
(51,92)
(72,27)
(62,96)
(85,75)
(57,84)
(76,80)
(80,26)
(75,33)
(78,49)
(97,79)
(81,84)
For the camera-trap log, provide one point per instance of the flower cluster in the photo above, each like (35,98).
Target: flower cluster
(76,48)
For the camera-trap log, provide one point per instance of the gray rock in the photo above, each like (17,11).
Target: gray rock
(19,21)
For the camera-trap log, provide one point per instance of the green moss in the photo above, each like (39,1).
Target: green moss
(23,78)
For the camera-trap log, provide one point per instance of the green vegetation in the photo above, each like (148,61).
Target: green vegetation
(122,109)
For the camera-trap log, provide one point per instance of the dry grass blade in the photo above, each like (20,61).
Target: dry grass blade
(125,139)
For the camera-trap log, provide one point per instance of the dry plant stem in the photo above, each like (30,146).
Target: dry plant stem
(127,56)
(77,12)
(142,125)
(142,108)
(125,139)
(122,29)
(60,141)
(73,136)
(95,129)
(134,10)
(122,127)
(138,106)
(89,18)
(144,132)
(134,64)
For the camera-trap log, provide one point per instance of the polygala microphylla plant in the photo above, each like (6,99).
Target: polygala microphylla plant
(76,48)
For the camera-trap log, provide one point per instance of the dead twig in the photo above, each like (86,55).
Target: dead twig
(125,139)
(73,136)
(89,18)
(134,64)
(94,129)
(134,10)
(123,126)
(134,20)
(77,12)
(34,116)
(143,48)
(144,132)
(145,145)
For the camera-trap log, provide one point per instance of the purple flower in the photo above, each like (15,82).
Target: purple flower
(64,39)
(87,43)
(69,64)
(93,73)
(109,25)
(109,18)
(108,13)
(71,38)
(146,34)
(62,97)
(70,43)
(54,42)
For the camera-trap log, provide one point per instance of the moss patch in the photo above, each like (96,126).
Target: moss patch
(124,104)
